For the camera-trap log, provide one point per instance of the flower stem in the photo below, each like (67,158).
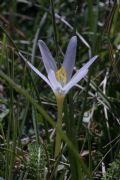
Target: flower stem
(60,101)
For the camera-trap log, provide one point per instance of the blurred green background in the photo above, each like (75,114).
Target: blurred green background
(91,110)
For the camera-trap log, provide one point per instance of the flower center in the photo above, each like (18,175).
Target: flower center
(61,76)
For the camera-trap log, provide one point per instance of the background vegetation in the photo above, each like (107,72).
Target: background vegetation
(91,120)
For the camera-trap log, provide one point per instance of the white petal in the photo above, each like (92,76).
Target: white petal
(52,78)
(35,70)
(87,65)
(69,59)
(48,60)
(79,75)
(76,78)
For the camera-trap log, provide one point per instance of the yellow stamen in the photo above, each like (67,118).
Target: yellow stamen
(61,76)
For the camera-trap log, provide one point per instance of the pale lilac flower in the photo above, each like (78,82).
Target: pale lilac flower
(61,81)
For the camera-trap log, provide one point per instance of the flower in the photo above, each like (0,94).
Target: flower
(61,81)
